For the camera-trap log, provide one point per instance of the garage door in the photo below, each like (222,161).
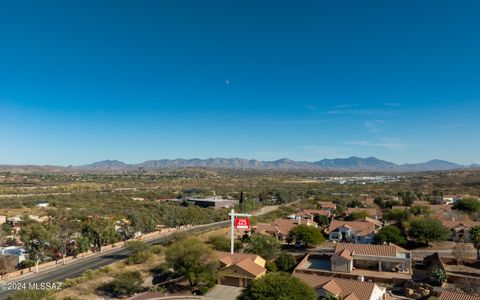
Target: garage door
(232,281)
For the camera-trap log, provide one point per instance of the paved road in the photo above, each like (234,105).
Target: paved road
(74,269)
(60,273)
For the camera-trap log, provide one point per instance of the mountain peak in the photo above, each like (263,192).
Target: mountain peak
(352,163)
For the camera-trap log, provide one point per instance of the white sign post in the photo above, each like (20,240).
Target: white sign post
(232,215)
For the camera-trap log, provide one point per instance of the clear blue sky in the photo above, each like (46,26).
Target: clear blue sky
(82,81)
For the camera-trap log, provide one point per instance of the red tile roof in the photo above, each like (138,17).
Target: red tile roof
(230,259)
(343,288)
(449,295)
(366,249)
(251,267)
(357,226)
(245,261)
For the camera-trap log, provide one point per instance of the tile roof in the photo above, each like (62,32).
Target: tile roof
(251,267)
(230,259)
(367,249)
(316,212)
(449,295)
(456,224)
(245,261)
(343,288)
(356,226)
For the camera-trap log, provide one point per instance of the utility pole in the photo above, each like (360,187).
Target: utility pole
(232,215)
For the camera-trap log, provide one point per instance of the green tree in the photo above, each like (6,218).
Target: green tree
(278,285)
(99,232)
(65,227)
(420,210)
(468,205)
(125,284)
(194,260)
(141,252)
(265,246)
(357,215)
(321,220)
(379,201)
(424,230)
(222,243)
(330,296)
(37,240)
(285,262)
(306,235)
(438,277)
(390,234)
(397,214)
(408,197)
(271,266)
(475,238)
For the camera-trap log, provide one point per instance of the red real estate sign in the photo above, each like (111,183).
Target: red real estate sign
(242,223)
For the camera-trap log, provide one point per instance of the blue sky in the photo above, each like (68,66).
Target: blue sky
(82,81)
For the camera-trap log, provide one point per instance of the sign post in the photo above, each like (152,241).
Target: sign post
(240,223)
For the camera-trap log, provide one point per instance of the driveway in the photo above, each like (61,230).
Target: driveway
(224,292)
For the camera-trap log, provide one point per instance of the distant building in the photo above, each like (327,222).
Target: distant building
(451,199)
(138,199)
(43,205)
(3,219)
(345,289)
(309,214)
(328,206)
(214,202)
(240,269)
(18,252)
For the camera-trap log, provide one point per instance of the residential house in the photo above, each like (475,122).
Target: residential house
(239,269)
(279,228)
(345,289)
(359,231)
(309,214)
(328,206)
(348,257)
(213,202)
(460,230)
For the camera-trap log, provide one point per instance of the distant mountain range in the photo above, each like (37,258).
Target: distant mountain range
(353,164)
